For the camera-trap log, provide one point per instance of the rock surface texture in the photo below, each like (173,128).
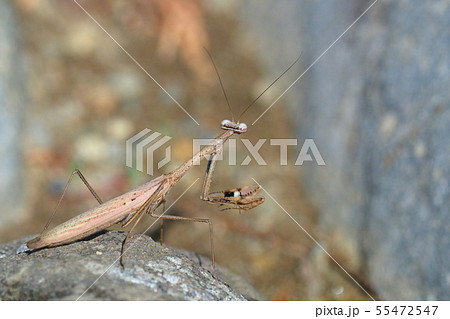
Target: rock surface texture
(89,270)
(377,105)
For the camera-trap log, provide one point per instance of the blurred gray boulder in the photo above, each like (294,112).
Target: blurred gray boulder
(12,105)
(377,105)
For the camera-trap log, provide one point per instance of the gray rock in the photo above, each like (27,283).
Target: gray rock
(90,269)
(378,107)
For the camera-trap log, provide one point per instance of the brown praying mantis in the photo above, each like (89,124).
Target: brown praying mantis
(146,198)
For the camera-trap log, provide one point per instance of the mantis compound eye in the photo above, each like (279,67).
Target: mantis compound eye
(242,127)
(225,123)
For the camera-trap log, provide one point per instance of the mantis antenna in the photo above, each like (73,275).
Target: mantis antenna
(254,101)
(221,84)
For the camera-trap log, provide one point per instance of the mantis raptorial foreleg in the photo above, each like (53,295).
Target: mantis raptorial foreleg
(239,198)
(84,180)
(236,198)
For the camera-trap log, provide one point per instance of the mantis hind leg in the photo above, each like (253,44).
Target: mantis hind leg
(161,231)
(124,244)
(83,179)
(148,207)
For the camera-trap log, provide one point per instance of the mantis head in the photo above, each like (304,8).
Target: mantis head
(232,126)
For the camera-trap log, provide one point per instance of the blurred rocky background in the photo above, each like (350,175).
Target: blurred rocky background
(376,106)
(13,104)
